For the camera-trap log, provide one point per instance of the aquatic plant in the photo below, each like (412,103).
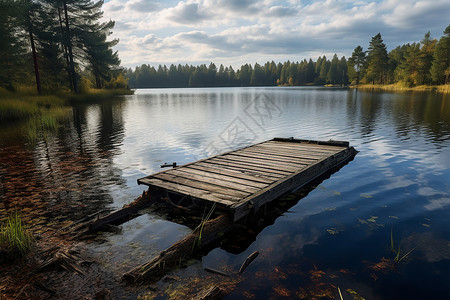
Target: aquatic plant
(198,241)
(340,294)
(397,250)
(14,236)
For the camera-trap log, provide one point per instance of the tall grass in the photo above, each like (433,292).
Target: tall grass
(48,122)
(17,107)
(399,87)
(25,103)
(13,109)
(14,236)
(94,95)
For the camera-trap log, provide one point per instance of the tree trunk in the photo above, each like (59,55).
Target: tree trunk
(98,81)
(35,62)
(64,48)
(69,47)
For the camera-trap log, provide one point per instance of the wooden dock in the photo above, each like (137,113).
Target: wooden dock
(243,180)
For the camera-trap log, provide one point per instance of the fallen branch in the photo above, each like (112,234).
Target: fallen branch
(183,250)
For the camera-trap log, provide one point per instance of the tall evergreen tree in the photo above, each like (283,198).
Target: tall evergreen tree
(377,61)
(333,75)
(407,71)
(324,68)
(343,71)
(12,44)
(356,65)
(440,70)
(84,39)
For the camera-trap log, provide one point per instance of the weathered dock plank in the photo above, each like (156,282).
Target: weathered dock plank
(243,180)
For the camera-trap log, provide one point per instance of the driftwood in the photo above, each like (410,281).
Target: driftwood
(66,259)
(188,247)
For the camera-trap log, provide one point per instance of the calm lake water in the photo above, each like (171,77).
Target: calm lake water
(392,200)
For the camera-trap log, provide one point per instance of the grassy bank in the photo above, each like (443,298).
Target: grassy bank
(93,95)
(25,103)
(445,89)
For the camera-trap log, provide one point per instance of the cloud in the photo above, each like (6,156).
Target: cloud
(113,5)
(232,31)
(187,13)
(236,6)
(143,6)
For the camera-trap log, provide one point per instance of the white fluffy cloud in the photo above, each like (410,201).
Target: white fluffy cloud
(240,31)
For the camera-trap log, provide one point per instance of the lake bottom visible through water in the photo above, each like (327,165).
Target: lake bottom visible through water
(376,229)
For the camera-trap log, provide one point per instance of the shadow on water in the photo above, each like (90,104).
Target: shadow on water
(64,174)
(234,243)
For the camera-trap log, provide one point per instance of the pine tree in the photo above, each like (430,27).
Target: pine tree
(440,70)
(324,68)
(83,39)
(377,61)
(333,75)
(428,46)
(356,65)
(12,44)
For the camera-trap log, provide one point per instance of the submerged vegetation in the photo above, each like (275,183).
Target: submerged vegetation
(396,250)
(15,239)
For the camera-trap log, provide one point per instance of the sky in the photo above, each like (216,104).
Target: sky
(233,32)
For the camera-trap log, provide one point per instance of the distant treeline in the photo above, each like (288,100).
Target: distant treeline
(424,63)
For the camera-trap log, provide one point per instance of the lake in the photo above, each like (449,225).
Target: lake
(378,228)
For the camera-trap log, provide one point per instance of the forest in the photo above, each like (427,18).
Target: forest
(57,45)
(421,63)
(62,45)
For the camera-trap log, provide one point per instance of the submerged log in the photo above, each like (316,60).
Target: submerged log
(124,214)
(120,216)
(183,250)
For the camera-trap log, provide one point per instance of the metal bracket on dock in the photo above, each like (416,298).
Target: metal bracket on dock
(166,165)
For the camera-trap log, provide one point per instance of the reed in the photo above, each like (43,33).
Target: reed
(397,250)
(14,236)
(198,241)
